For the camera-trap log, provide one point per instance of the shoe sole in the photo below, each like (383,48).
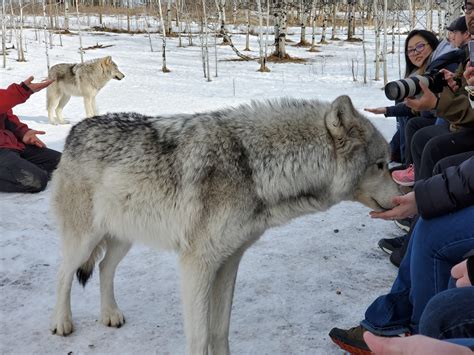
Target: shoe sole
(385,250)
(402,227)
(351,349)
(404,183)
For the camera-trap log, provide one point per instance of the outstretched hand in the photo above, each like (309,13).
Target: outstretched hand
(405,206)
(412,345)
(35,87)
(377,110)
(30,138)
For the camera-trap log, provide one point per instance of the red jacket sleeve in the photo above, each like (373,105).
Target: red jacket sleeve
(10,97)
(14,95)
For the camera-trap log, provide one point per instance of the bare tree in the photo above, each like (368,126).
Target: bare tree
(4,35)
(45,34)
(163,36)
(263,59)
(280,15)
(377,42)
(334,17)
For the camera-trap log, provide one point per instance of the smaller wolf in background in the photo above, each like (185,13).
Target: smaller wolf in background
(81,79)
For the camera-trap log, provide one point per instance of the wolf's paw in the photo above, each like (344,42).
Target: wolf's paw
(64,122)
(62,326)
(113,317)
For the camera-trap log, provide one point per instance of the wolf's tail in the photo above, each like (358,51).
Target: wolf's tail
(85,271)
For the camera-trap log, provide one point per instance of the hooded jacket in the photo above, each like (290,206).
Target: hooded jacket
(11,129)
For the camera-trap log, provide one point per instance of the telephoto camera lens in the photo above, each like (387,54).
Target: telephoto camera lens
(399,89)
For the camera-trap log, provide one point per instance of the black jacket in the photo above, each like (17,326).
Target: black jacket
(447,192)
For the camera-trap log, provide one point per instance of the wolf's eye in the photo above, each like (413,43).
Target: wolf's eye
(380,166)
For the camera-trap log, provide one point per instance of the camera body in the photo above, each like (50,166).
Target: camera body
(400,89)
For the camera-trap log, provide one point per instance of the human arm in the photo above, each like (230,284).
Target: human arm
(412,345)
(447,192)
(13,95)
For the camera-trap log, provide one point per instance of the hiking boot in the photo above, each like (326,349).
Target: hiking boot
(350,340)
(405,177)
(388,245)
(404,224)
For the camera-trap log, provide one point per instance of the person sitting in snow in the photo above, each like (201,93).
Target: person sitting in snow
(25,162)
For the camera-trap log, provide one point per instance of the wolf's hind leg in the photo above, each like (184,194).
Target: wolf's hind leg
(52,101)
(221,304)
(77,250)
(89,105)
(59,109)
(110,313)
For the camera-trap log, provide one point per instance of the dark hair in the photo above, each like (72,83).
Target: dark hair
(429,37)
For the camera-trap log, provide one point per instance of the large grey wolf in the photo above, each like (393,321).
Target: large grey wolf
(207,186)
(82,79)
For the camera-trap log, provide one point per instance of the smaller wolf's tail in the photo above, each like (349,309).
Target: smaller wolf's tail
(85,271)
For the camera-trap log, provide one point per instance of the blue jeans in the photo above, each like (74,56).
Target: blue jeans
(450,314)
(435,247)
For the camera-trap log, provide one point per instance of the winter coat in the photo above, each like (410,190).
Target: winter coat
(11,129)
(455,107)
(447,192)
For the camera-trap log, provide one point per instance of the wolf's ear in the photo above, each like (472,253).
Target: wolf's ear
(107,60)
(340,114)
(343,124)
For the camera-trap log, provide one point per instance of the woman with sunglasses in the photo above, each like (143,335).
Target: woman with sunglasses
(422,50)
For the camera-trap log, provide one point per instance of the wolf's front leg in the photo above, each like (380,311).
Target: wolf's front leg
(197,278)
(221,304)
(111,315)
(89,105)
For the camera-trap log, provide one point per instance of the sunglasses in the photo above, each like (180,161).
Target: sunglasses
(467,8)
(418,49)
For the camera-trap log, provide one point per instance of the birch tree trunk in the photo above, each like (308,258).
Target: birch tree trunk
(45,34)
(377,42)
(334,15)
(128,14)
(81,51)
(364,51)
(325,22)
(66,16)
(220,4)
(234,12)
(429,15)
(303,19)
(206,48)
(4,36)
(169,22)
(247,35)
(453,11)
(164,69)
(350,18)
(21,54)
(263,59)
(280,14)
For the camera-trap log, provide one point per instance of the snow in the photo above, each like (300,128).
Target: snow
(295,284)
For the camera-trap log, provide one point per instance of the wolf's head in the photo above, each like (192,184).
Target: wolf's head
(362,155)
(111,69)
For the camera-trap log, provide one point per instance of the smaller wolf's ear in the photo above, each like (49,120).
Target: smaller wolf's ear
(108,60)
(340,113)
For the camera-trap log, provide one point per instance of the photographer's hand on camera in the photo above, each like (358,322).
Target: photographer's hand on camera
(451,79)
(428,101)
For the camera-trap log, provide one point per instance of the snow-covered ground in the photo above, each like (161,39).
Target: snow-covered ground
(294,285)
